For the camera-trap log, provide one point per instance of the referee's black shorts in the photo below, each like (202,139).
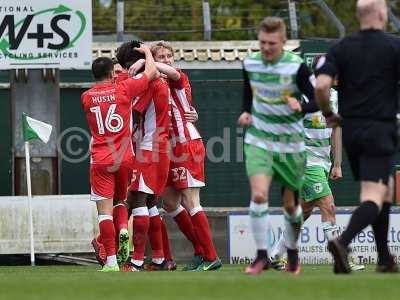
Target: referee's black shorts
(371,146)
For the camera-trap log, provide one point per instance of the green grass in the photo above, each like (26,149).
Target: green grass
(73,283)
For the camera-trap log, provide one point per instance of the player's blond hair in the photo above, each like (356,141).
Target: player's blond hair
(161,45)
(271,25)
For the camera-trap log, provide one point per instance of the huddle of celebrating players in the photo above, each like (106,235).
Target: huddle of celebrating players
(145,146)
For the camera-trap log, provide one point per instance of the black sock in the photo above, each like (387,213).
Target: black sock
(381,227)
(292,257)
(364,215)
(262,254)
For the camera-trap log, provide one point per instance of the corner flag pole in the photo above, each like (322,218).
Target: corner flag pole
(29,187)
(32,129)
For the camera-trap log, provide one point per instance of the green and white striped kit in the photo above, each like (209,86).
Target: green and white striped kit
(318,137)
(275,127)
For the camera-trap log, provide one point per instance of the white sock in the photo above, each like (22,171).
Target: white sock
(176,212)
(153,211)
(136,262)
(157,261)
(259,224)
(140,211)
(292,228)
(331,231)
(111,261)
(279,249)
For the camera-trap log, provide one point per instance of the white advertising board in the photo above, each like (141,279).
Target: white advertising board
(312,241)
(40,34)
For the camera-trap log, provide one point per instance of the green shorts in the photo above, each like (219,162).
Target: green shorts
(288,168)
(315,184)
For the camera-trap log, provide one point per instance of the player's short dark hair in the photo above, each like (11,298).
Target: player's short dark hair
(127,55)
(102,67)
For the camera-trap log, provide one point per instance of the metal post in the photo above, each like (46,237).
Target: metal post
(120,20)
(30,216)
(330,14)
(206,20)
(294,28)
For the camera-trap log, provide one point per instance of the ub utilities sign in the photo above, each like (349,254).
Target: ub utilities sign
(45,34)
(312,242)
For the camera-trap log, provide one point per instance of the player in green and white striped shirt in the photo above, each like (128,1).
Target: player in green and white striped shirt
(274,143)
(316,191)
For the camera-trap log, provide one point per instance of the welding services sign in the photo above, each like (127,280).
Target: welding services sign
(40,34)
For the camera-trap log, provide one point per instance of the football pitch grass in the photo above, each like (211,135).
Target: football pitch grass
(75,282)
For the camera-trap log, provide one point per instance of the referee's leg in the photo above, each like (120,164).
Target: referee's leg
(386,262)
(374,174)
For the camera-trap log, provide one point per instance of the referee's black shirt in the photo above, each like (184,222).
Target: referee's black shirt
(368,67)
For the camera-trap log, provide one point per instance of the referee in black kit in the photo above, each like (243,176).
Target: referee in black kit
(367,64)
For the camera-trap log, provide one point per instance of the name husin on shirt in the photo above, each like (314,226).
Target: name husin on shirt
(103,99)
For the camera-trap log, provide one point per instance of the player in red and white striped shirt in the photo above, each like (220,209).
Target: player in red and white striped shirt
(151,165)
(186,175)
(108,108)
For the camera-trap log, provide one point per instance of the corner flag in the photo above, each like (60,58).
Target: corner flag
(34,129)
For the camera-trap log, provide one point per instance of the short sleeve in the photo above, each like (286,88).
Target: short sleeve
(135,86)
(83,102)
(141,102)
(183,84)
(328,64)
(180,83)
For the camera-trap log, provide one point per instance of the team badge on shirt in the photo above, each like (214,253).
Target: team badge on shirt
(285,79)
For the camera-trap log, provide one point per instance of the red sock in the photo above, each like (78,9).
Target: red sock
(155,236)
(107,233)
(186,226)
(98,238)
(203,232)
(120,219)
(165,241)
(140,226)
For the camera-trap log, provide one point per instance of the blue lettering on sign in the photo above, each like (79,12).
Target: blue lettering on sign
(305,235)
(320,235)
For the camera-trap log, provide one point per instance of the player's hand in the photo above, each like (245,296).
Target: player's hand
(134,69)
(333,120)
(293,103)
(143,48)
(191,115)
(336,173)
(244,119)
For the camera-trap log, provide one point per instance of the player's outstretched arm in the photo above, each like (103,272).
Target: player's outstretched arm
(322,93)
(171,72)
(336,138)
(134,69)
(244,119)
(305,85)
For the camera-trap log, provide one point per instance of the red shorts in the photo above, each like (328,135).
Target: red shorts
(107,183)
(187,165)
(150,173)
